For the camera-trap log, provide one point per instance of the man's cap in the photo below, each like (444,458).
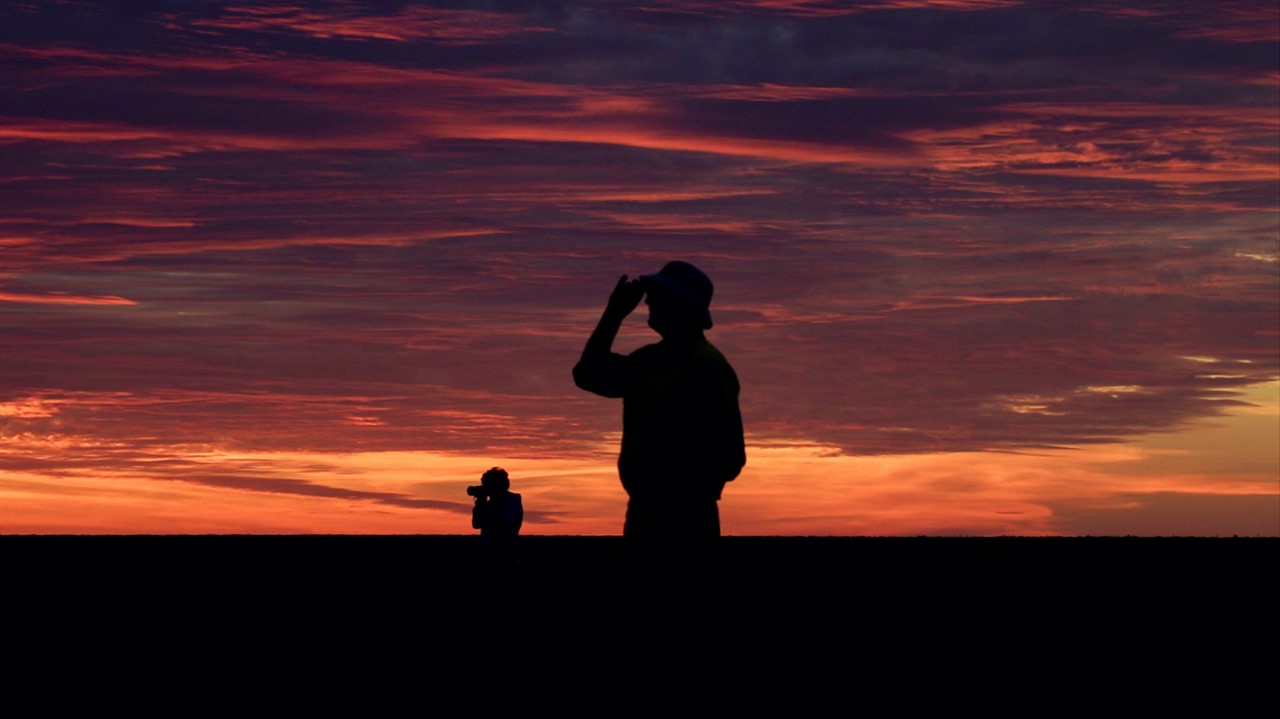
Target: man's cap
(688,284)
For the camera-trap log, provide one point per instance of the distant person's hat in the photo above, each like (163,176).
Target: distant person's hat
(688,284)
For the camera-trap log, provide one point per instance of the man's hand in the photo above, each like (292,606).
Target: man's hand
(625,297)
(596,370)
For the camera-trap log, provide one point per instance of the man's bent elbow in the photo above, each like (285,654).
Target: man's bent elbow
(581,377)
(588,379)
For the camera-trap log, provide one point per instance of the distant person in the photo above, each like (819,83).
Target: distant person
(681,427)
(498,514)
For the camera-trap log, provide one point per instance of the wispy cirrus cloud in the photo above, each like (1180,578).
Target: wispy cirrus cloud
(62,299)
(352,21)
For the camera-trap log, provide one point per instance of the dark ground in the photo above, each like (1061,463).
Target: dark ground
(967,622)
(948,569)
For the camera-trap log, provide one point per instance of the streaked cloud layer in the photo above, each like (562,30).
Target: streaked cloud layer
(336,259)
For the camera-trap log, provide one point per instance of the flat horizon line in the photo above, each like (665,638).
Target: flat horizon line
(732,537)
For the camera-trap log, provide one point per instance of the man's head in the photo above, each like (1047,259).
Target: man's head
(495,480)
(679,299)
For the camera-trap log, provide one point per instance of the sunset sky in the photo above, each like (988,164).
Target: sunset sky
(984,267)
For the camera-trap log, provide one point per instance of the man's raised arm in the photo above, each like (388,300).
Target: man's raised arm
(596,369)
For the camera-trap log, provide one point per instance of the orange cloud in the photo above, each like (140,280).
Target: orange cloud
(63,299)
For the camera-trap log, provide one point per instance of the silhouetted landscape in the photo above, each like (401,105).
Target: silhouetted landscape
(800,605)
(864,567)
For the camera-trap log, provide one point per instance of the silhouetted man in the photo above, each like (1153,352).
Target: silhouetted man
(681,427)
(498,514)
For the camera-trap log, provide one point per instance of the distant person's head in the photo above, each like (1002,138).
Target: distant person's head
(495,481)
(679,299)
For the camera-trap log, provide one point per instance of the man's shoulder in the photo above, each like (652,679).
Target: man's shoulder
(706,352)
(716,370)
(701,356)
